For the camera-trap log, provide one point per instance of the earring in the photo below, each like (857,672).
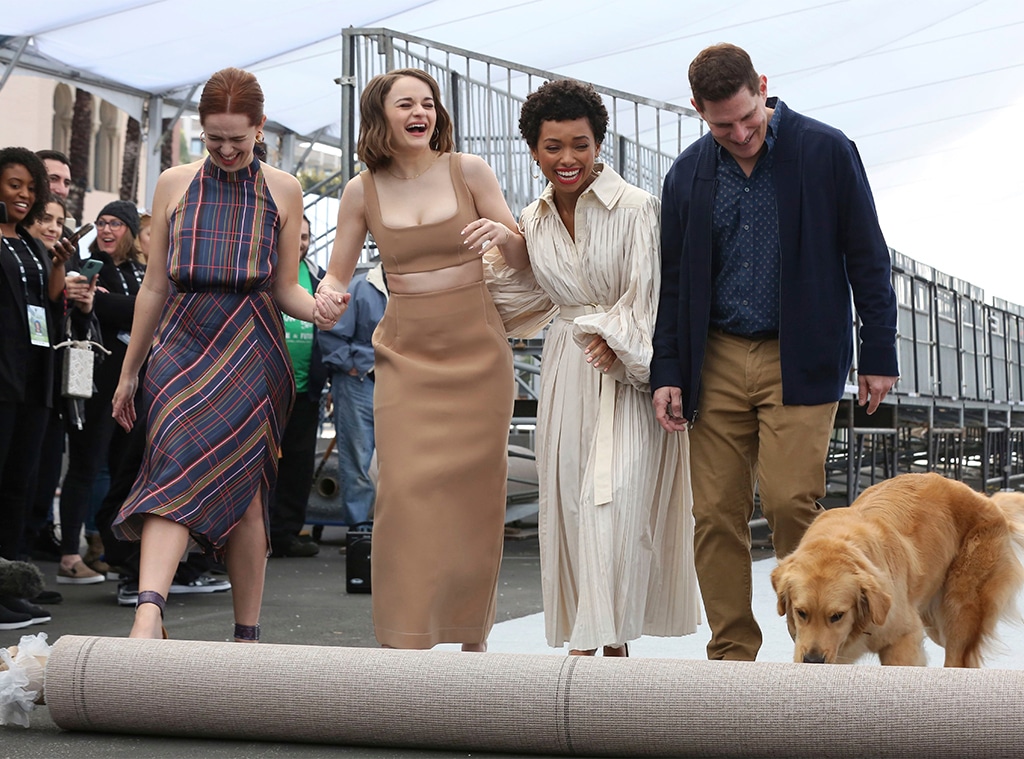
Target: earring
(535,174)
(259,137)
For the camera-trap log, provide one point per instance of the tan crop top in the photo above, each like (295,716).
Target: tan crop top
(423,247)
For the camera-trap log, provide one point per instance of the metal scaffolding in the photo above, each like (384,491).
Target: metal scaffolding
(959,406)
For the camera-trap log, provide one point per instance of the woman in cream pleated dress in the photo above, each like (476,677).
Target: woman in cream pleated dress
(444,385)
(616,530)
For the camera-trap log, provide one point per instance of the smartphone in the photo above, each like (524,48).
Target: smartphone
(78,234)
(90,267)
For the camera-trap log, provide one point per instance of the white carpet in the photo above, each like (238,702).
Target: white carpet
(526,635)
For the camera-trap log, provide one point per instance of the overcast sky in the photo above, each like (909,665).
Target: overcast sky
(967,227)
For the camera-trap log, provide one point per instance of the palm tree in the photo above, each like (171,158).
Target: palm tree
(130,164)
(78,151)
(167,146)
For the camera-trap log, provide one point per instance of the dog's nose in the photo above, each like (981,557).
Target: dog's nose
(812,657)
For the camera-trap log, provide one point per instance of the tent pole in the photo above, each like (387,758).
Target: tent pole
(14,62)
(312,141)
(185,103)
(155,127)
(152,141)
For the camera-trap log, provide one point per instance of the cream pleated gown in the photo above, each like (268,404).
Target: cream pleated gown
(616,525)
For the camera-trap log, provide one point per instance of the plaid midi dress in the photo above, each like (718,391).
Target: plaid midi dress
(218,386)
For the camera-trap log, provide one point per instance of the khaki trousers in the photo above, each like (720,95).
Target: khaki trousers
(745,438)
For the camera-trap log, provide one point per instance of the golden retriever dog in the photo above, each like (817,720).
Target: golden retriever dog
(915,554)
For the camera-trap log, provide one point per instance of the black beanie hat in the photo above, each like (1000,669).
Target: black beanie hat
(125,211)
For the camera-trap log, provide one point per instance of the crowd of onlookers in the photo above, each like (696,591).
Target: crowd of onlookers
(66,465)
(53,443)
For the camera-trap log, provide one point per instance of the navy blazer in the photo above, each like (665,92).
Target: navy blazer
(14,337)
(830,242)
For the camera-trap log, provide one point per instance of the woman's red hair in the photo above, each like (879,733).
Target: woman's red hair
(232,90)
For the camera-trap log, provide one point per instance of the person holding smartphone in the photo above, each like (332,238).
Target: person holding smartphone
(114,264)
(39,539)
(26,356)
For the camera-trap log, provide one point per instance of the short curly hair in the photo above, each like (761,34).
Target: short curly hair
(562,100)
(36,167)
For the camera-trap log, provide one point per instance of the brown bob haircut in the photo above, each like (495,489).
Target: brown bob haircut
(232,90)
(719,72)
(375,146)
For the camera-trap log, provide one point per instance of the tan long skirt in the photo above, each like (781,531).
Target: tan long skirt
(442,407)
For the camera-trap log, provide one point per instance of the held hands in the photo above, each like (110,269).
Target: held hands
(330,305)
(599,355)
(482,234)
(668,409)
(124,402)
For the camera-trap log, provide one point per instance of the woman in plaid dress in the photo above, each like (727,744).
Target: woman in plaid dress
(223,263)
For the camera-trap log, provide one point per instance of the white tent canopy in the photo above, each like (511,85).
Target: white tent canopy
(917,84)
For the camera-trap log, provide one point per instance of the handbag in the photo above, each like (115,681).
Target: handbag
(79,361)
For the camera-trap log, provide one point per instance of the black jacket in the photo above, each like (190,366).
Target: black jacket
(15,345)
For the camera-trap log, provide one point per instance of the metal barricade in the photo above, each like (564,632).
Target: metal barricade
(959,406)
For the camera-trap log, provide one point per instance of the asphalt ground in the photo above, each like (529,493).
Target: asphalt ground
(304,603)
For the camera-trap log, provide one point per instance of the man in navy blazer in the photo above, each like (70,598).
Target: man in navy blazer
(768,224)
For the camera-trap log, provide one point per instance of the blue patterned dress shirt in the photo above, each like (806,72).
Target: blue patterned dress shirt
(745,244)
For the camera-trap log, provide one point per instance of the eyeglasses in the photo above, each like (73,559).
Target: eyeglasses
(101,223)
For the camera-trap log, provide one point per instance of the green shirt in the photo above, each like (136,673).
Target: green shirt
(298,336)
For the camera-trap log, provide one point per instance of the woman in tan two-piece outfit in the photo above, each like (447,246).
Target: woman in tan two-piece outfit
(444,384)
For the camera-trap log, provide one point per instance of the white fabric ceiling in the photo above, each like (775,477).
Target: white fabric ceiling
(931,90)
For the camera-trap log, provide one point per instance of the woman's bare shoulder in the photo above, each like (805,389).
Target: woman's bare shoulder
(356,186)
(182,172)
(278,176)
(473,165)
(281,182)
(478,173)
(173,183)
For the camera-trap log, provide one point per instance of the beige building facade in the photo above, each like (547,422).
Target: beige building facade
(37,114)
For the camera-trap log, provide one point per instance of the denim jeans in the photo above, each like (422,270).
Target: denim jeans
(353,424)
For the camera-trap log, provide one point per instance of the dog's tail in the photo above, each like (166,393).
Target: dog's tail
(1012,505)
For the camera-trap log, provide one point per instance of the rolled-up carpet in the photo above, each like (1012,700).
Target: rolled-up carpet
(531,703)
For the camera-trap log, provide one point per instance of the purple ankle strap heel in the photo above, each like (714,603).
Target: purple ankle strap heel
(152,597)
(247,632)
